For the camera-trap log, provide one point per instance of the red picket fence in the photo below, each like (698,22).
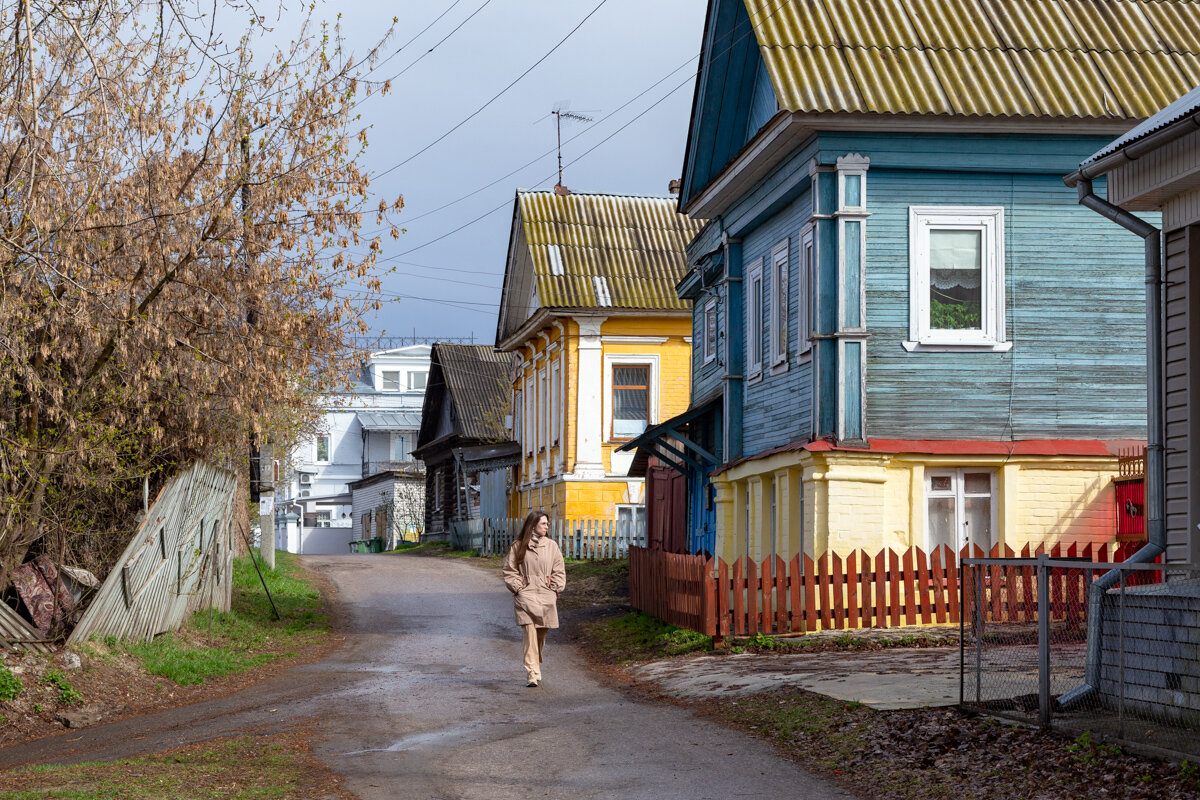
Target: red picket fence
(856,590)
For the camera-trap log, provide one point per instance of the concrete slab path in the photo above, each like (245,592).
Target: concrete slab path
(426,699)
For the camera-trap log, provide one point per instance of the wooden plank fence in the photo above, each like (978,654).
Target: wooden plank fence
(853,590)
(577,538)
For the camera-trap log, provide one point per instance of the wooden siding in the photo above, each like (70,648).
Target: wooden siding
(1145,183)
(1182,304)
(1181,210)
(720,115)
(706,378)
(778,407)
(1077,366)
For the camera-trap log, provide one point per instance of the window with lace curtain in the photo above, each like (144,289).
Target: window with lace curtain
(956,278)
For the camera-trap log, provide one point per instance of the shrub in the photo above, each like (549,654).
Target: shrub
(10,684)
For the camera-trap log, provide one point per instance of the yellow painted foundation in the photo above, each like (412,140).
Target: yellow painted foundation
(843,501)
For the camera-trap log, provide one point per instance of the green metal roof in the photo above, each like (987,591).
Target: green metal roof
(1083,59)
(602,251)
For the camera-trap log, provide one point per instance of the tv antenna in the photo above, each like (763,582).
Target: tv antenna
(559,114)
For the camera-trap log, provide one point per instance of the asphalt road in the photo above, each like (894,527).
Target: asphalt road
(426,699)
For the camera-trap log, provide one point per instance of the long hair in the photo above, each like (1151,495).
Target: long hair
(521,545)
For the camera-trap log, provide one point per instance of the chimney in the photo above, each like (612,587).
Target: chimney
(673,186)
(561,190)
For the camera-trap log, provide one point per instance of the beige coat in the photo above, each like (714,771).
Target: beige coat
(535,602)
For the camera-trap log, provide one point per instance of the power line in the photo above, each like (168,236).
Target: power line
(419,34)
(507,202)
(497,96)
(535,160)
(603,119)
(437,44)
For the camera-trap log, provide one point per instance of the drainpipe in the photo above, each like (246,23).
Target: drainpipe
(1155,473)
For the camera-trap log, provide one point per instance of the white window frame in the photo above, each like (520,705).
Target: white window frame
(384,380)
(630,359)
(530,422)
(401,438)
(412,379)
(636,512)
(781,264)
(989,220)
(709,320)
(544,410)
(324,518)
(328,449)
(518,417)
(806,259)
(754,320)
(555,401)
(958,492)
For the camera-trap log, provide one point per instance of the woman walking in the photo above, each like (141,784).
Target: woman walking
(535,573)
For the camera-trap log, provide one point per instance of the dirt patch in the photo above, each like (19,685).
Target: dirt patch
(946,753)
(912,754)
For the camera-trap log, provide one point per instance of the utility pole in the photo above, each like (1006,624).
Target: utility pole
(263,495)
(559,113)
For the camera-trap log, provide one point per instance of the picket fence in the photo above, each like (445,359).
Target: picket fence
(855,590)
(577,538)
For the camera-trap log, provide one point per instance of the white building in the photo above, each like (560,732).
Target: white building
(367,430)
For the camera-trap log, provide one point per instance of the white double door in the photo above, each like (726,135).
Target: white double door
(960,508)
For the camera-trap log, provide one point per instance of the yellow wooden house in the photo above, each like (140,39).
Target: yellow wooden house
(601,344)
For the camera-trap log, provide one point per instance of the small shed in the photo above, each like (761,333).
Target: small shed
(389,505)
(464,441)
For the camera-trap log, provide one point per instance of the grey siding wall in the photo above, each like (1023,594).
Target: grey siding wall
(1074,311)
(778,408)
(1182,299)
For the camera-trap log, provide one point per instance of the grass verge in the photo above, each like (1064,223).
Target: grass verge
(243,768)
(638,637)
(247,635)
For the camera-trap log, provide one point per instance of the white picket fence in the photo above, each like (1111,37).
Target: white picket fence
(577,538)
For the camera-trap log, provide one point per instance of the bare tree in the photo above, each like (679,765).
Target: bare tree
(176,209)
(408,507)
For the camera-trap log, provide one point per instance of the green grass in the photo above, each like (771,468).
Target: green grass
(245,637)
(10,684)
(246,768)
(636,637)
(68,695)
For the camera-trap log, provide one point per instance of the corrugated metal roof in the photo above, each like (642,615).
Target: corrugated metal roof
(1084,59)
(389,420)
(634,244)
(477,378)
(1176,111)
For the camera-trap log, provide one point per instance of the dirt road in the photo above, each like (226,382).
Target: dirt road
(426,699)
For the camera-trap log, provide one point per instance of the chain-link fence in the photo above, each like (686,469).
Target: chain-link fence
(1113,649)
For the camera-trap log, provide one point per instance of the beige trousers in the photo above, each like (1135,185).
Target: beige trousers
(533,639)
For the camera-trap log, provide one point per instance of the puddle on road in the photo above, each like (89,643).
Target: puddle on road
(441,736)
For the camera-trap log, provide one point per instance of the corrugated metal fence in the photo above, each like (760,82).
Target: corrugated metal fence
(179,560)
(577,538)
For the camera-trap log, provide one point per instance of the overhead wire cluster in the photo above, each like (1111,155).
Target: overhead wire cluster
(506,203)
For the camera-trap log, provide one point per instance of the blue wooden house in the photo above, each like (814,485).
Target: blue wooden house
(905,330)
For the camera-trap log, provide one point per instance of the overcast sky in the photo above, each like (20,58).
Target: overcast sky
(451,286)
